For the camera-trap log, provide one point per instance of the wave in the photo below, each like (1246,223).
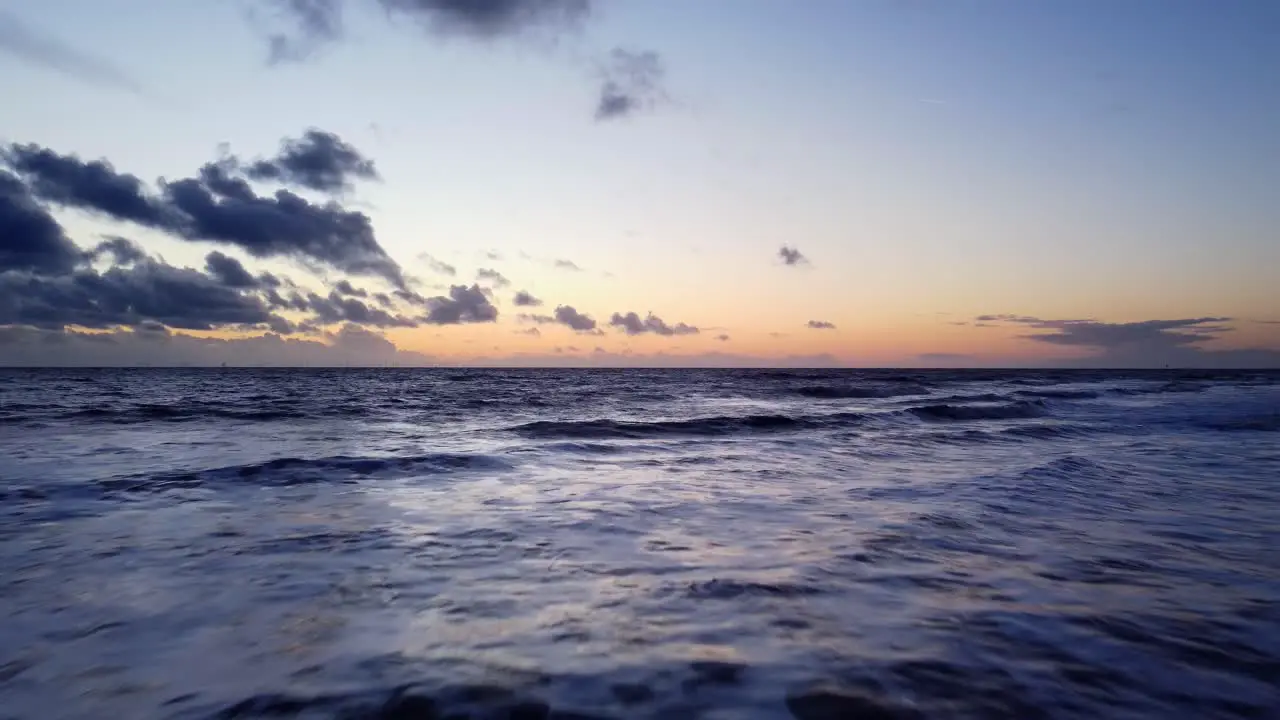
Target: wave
(194,412)
(1023,409)
(718,426)
(1059,394)
(829,392)
(300,471)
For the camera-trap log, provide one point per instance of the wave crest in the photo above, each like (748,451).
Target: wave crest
(1021,410)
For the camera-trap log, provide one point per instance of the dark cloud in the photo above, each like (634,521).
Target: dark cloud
(29,45)
(493,255)
(319,161)
(30,239)
(723,338)
(486,19)
(215,206)
(632,82)
(820,325)
(1147,343)
(492,276)
(438,266)
(524,299)
(791,256)
(533,331)
(94,185)
(633,324)
(567,315)
(351,346)
(122,251)
(383,299)
(562,264)
(128,296)
(229,271)
(1112,336)
(336,309)
(319,22)
(463,305)
(410,297)
(344,287)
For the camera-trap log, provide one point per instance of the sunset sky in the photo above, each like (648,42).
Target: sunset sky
(966,182)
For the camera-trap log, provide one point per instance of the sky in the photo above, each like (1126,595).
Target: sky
(640,183)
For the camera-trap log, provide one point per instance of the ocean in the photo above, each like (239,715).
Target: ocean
(240,543)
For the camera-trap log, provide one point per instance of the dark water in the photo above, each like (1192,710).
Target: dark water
(674,544)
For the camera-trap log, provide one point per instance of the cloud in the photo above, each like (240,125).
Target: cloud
(344,287)
(122,251)
(536,319)
(533,331)
(214,206)
(319,161)
(155,345)
(29,45)
(438,266)
(146,291)
(562,264)
(492,276)
(524,299)
(567,315)
(30,239)
(229,271)
(631,83)
(1146,343)
(336,309)
(463,305)
(723,338)
(777,335)
(320,22)
(792,256)
(632,324)
(1006,318)
(820,325)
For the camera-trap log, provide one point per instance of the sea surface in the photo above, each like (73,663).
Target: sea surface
(229,543)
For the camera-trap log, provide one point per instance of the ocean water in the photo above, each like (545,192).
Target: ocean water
(650,544)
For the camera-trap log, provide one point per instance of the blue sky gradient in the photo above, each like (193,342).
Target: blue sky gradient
(934,161)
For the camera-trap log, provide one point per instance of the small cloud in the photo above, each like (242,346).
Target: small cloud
(567,315)
(533,332)
(32,46)
(562,264)
(776,335)
(438,266)
(536,319)
(820,325)
(631,82)
(633,324)
(493,256)
(492,276)
(524,299)
(722,338)
(792,256)
(462,305)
